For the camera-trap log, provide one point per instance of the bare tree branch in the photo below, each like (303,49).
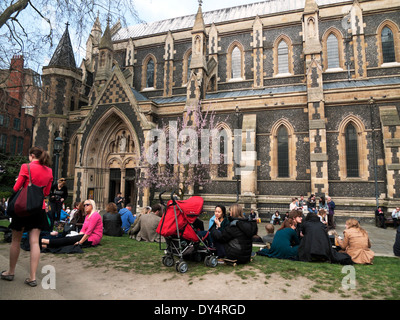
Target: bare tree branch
(16,7)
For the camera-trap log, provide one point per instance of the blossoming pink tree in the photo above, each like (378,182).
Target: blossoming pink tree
(178,158)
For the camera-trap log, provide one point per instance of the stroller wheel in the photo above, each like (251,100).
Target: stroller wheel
(181,266)
(168,261)
(206,260)
(211,261)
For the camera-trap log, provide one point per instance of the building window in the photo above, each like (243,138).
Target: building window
(13,145)
(236,63)
(3,142)
(17,124)
(189,60)
(351,151)
(20,147)
(150,74)
(283,152)
(222,166)
(332,47)
(388,52)
(1,120)
(283,57)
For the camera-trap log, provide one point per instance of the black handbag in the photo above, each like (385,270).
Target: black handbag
(26,201)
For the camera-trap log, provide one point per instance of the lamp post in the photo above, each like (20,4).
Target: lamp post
(238,150)
(58,145)
(372,105)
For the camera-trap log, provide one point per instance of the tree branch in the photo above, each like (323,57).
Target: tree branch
(16,7)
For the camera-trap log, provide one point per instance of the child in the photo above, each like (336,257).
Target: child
(270,234)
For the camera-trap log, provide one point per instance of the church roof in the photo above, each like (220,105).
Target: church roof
(64,54)
(216,16)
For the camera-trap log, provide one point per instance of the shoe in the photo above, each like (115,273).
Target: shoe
(8,277)
(30,283)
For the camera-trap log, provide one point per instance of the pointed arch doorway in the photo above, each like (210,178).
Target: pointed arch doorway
(110,160)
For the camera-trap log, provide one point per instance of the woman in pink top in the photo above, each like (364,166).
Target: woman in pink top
(91,232)
(41,175)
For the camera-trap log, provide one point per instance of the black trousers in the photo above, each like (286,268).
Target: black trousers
(67,241)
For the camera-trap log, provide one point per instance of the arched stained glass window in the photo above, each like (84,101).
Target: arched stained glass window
(150,74)
(236,63)
(283,152)
(387,45)
(332,46)
(189,60)
(283,57)
(351,151)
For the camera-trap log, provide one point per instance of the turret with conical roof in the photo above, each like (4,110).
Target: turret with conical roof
(61,86)
(64,54)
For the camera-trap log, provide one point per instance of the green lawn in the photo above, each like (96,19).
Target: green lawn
(377,281)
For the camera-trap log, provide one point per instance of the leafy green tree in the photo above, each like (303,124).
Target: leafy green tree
(9,170)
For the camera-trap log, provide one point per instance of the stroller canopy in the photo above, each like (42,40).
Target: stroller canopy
(187,211)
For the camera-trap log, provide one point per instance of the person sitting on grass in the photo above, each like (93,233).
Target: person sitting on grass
(90,234)
(145,229)
(356,243)
(112,222)
(285,243)
(269,237)
(237,236)
(316,245)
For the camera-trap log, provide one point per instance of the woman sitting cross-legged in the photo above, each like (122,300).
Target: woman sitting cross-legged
(285,244)
(90,234)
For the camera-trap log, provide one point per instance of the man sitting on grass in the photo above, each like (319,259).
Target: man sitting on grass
(145,229)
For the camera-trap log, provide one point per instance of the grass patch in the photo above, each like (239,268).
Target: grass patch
(377,281)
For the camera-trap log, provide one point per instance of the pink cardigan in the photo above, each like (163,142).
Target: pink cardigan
(93,227)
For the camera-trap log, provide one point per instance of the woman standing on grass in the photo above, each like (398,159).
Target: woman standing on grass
(90,235)
(41,175)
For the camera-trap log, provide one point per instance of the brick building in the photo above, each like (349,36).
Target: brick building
(19,100)
(316,82)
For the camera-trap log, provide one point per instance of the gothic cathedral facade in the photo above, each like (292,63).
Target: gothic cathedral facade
(316,82)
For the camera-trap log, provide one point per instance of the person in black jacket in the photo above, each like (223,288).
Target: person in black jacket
(237,236)
(396,246)
(316,245)
(112,222)
(58,194)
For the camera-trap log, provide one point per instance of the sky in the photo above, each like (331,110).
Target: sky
(148,11)
(155,10)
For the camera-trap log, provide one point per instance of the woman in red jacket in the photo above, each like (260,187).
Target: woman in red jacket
(41,175)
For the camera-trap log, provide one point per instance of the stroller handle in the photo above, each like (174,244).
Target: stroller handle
(173,198)
(160,198)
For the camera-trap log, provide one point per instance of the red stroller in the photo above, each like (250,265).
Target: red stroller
(176,226)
